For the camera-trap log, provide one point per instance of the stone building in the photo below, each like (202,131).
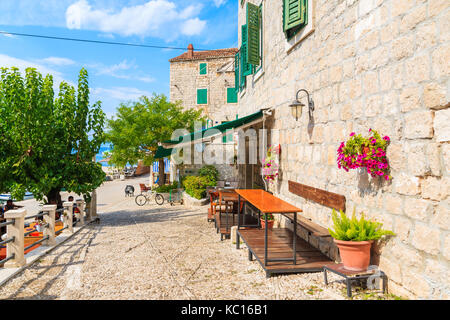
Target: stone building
(381,64)
(206,80)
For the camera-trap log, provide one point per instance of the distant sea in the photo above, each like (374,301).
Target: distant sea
(104,147)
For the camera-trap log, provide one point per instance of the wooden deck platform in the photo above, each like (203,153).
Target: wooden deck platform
(221,223)
(309,259)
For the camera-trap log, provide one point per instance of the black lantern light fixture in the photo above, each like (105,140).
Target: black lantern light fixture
(296,106)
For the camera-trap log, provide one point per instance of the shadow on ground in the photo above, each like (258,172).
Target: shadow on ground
(54,270)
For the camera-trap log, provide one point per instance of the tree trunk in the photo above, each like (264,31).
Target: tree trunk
(54,197)
(162,176)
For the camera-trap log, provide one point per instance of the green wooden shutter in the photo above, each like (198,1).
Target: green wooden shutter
(294,13)
(231,95)
(242,79)
(247,67)
(236,71)
(202,96)
(203,68)
(253,29)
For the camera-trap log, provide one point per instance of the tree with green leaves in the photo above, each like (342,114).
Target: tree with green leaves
(48,143)
(139,127)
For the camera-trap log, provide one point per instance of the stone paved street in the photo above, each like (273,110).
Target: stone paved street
(155,252)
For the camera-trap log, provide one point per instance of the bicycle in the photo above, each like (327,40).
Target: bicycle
(147,194)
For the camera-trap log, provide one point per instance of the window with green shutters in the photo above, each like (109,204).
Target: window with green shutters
(237,77)
(253,34)
(246,66)
(202,96)
(295,16)
(203,68)
(231,95)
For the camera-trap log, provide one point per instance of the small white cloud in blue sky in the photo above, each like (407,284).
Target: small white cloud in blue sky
(58,61)
(155,18)
(121,93)
(218,3)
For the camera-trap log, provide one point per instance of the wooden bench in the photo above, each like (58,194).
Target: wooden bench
(323,197)
(312,228)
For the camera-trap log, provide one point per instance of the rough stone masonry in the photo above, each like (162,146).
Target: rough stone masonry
(381,64)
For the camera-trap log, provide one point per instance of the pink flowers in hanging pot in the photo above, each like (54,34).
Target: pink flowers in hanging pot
(365,152)
(270,164)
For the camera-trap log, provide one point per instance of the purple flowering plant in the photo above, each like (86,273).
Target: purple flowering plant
(365,152)
(270,164)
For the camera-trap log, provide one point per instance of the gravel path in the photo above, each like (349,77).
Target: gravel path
(156,252)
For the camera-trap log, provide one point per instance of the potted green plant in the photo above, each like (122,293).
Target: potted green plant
(354,238)
(270,221)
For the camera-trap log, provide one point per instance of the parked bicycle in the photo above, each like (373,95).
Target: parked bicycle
(147,195)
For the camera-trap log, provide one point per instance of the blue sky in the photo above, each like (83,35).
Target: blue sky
(116,73)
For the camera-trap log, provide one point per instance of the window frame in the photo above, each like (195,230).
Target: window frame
(299,35)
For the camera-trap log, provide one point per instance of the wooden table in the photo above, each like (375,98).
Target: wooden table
(288,249)
(226,197)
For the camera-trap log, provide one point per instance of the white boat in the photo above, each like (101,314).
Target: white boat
(7,196)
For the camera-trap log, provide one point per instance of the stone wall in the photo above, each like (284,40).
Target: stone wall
(185,80)
(368,64)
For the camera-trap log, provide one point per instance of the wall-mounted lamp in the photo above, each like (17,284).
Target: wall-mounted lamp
(296,106)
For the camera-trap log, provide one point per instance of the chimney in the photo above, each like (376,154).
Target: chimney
(190,51)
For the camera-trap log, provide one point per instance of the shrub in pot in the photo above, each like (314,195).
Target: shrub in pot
(354,238)
(270,221)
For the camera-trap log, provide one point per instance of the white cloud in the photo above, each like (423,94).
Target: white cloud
(8,62)
(156,18)
(146,79)
(57,61)
(193,27)
(121,93)
(218,3)
(121,70)
(114,69)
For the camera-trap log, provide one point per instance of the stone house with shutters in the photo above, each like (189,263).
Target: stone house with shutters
(381,64)
(206,80)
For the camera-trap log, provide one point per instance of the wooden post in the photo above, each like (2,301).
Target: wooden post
(50,219)
(15,230)
(80,215)
(68,219)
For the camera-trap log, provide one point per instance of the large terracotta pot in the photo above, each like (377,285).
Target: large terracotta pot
(355,255)
(269,224)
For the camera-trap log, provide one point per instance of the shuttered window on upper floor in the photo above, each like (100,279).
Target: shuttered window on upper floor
(295,16)
(203,67)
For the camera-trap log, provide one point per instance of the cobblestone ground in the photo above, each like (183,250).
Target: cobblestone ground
(157,252)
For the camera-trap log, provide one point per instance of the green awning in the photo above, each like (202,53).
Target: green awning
(162,152)
(221,127)
(193,136)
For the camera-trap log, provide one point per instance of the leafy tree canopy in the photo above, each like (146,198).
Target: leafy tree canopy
(48,143)
(139,126)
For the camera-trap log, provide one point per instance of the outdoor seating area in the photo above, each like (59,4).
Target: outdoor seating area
(278,250)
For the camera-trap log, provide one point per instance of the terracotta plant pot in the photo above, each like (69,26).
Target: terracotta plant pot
(269,224)
(355,255)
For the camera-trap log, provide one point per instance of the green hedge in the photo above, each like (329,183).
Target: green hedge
(196,186)
(166,188)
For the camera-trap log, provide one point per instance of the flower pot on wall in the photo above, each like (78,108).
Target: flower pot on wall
(355,255)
